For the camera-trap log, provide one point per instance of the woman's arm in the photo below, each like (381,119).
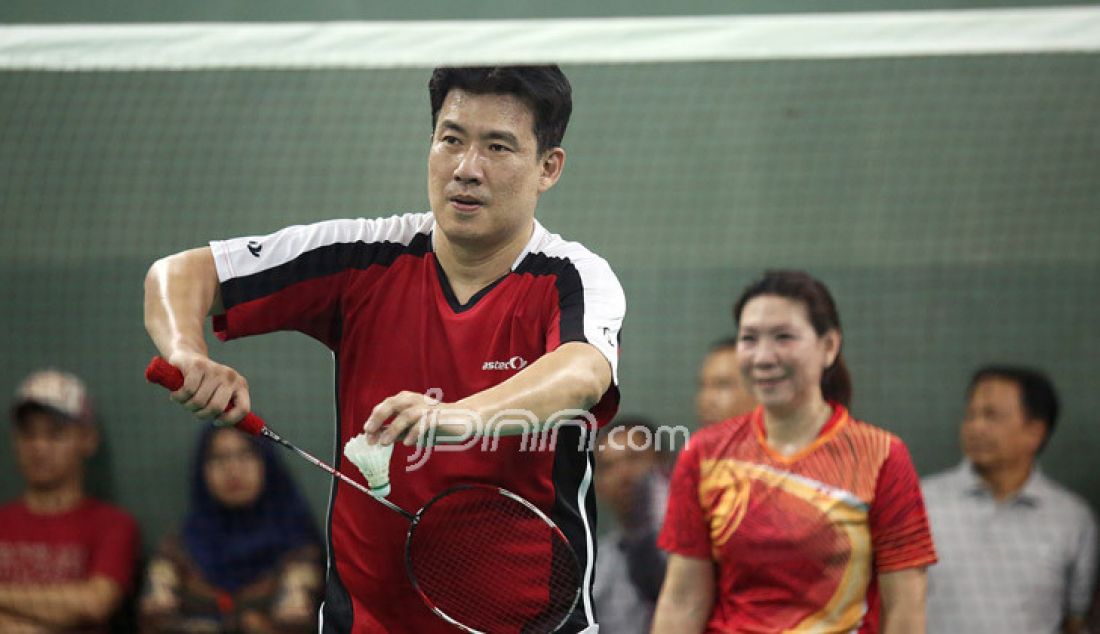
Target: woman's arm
(687,596)
(903,594)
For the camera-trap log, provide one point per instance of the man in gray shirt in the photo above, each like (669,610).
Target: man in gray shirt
(1017,550)
(631,479)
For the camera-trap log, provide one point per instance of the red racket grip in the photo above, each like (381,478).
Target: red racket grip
(167,375)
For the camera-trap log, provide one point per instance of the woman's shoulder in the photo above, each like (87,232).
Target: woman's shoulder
(715,436)
(873,434)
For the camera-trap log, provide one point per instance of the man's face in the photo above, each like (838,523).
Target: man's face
(51,452)
(620,468)
(485,174)
(721,393)
(996,432)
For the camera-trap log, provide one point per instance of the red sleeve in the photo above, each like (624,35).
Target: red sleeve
(294,279)
(114,554)
(900,535)
(308,306)
(290,297)
(685,530)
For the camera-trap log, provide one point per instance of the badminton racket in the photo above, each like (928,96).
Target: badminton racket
(479,556)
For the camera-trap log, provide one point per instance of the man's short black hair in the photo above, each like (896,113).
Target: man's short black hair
(1037,393)
(544,89)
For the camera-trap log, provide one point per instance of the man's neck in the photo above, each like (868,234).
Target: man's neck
(472,267)
(790,432)
(54,500)
(1006,481)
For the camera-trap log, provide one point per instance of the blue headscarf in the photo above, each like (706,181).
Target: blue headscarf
(233,547)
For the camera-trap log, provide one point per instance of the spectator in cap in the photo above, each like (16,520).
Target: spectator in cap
(66,560)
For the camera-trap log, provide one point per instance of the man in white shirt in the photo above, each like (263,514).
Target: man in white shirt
(1017,550)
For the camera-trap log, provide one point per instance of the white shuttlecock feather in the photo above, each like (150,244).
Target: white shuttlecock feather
(373,462)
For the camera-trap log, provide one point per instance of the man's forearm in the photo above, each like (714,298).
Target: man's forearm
(12,624)
(573,377)
(63,604)
(559,387)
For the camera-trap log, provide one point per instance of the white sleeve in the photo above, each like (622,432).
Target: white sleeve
(241,257)
(604,309)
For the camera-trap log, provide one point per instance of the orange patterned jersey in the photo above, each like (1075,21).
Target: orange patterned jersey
(797,540)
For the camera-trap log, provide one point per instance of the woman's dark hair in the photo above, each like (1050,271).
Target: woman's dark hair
(836,383)
(544,89)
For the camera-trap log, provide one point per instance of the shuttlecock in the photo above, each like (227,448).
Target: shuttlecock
(373,462)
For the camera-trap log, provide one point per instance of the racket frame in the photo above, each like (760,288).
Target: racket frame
(415,521)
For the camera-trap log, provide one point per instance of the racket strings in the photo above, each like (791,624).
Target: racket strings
(517,571)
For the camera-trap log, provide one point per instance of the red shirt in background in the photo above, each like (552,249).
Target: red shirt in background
(93,539)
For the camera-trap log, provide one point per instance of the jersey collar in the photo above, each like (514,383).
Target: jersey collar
(831,427)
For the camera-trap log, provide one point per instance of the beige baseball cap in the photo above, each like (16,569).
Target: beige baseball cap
(60,392)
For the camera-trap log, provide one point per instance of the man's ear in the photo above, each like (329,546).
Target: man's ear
(551,166)
(89,440)
(1036,431)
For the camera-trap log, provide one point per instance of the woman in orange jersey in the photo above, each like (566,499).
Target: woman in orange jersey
(795,517)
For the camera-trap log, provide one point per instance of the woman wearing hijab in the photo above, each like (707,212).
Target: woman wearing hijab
(248,557)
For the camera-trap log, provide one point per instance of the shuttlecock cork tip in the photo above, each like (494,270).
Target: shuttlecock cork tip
(373,461)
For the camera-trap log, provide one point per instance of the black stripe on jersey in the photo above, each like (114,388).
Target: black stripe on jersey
(327,260)
(337,612)
(570,291)
(570,466)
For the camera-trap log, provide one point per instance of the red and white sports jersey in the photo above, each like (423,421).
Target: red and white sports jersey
(373,291)
(797,540)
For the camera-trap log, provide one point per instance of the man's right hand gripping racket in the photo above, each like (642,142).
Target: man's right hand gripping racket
(481,557)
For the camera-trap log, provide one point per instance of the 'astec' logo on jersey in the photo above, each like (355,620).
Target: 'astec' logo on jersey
(515,363)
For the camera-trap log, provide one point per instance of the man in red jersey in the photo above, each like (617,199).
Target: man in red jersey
(474,302)
(66,560)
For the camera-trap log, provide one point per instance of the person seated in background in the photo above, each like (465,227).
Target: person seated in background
(1017,551)
(631,479)
(721,393)
(66,560)
(248,557)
